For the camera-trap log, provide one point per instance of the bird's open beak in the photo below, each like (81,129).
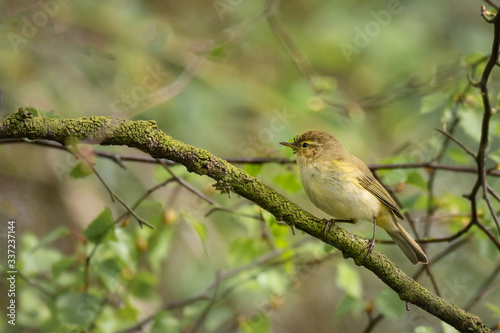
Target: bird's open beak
(289,144)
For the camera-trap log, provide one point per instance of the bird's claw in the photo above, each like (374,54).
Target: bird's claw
(329,224)
(369,246)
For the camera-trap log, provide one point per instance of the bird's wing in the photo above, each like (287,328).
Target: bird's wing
(372,185)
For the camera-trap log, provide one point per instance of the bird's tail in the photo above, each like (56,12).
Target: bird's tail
(407,244)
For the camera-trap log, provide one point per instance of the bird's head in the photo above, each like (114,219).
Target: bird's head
(313,145)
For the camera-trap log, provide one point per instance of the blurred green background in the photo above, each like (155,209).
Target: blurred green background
(379,75)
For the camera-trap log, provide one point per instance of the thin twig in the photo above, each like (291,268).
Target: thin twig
(111,193)
(493,193)
(86,270)
(208,307)
(452,138)
(144,196)
(488,111)
(372,322)
(189,187)
(436,258)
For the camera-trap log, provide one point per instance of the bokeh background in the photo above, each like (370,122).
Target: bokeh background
(379,75)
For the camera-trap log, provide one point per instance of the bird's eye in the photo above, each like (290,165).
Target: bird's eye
(305,145)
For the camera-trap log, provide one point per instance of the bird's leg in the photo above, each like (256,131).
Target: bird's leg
(331,223)
(371,243)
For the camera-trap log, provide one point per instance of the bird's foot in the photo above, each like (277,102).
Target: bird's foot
(329,224)
(370,246)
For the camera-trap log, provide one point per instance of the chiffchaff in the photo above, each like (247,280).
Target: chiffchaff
(341,185)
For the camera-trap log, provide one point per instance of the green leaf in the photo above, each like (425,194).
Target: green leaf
(494,308)
(328,248)
(128,311)
(34,310)
(347,305)
(34,111)
(219,51)
(102,228)
(446,116)
(389,304)
(160,247)
(77,309)
(447,328)
(161,174)
(471,123)
(434,102)
(243,250)
(424,329)
(41,261)
(415,178)
(59,232)
(124,248)
(200,228)
(253,169)
(458,155)
(474,57)
(62,266)
(257,324)
(272,281)
(288,181)
(108,271)
(80,170)
(165,322)
(50,114)
(144,285)
(412,200)
(395,176)
(495,156)
(348,279)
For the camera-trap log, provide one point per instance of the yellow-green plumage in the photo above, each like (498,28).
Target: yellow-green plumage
(343,186)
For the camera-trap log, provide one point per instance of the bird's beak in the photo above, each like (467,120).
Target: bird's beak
(289,144)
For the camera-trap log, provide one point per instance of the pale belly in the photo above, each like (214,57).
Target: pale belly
(339,197)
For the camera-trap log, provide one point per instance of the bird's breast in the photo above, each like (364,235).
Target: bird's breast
(334,188)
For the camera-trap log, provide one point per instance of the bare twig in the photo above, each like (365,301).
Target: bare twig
(144,196)
(372,322)
(111,193)
(488,111)
(189,187)
(449,136)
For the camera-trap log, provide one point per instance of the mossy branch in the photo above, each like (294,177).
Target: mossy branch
(146,136)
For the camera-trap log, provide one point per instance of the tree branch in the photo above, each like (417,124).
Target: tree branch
(146,136)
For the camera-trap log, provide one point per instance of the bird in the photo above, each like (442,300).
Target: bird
(341,185)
